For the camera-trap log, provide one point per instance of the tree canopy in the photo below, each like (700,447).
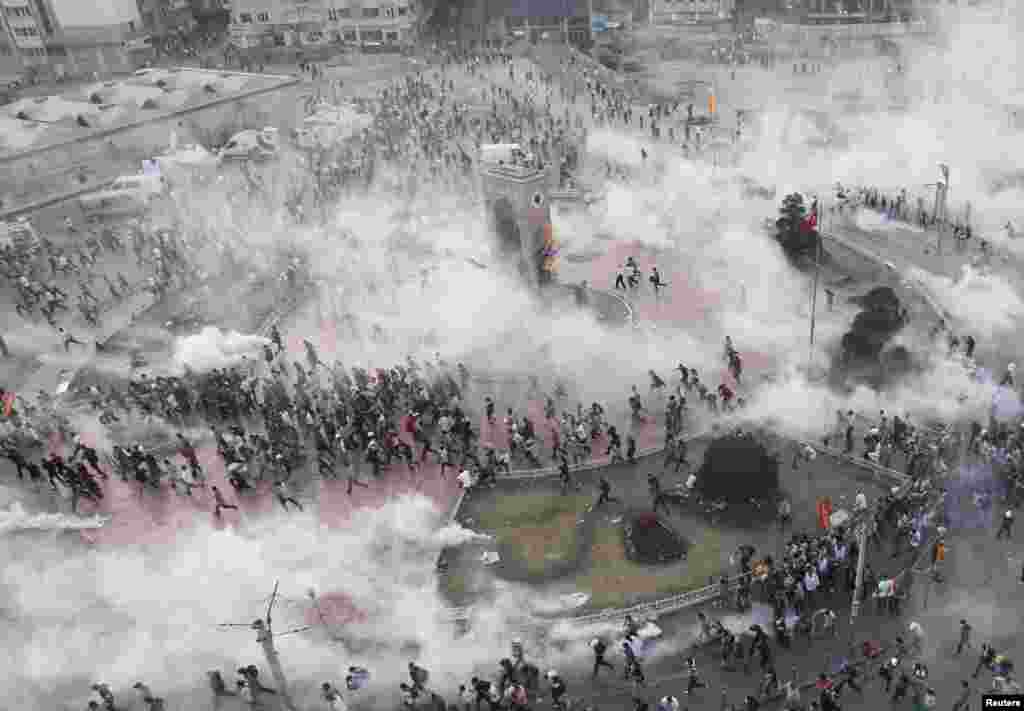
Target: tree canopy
(797,237)
(880,319)
(737,468)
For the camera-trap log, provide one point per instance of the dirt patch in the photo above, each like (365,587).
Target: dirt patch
(612,580)
(17,370)
(538,536)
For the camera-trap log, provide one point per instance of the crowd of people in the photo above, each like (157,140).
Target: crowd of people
(917,211)
(284,420)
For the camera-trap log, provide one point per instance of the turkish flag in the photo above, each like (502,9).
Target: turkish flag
(825,513)
(809,223)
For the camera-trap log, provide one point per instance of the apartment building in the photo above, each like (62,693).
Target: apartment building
(53,38)
(21,46)
(563,20)
(275,23)
(166,18)
(690,12)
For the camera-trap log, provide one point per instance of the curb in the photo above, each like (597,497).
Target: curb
(53,200)
(663,606)
(884,265)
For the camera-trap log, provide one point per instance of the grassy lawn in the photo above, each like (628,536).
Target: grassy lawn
(613,580)
(536,530)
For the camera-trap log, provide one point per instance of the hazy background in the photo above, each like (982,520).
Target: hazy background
(76,614)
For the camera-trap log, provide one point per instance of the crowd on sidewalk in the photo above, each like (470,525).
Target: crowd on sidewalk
(47,277)
(287,420)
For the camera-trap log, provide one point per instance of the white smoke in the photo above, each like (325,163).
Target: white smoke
(16,519)
(212,348)
(152,613)
(987,302)
(91,615)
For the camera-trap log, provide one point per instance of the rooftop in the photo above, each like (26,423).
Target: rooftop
(44,121)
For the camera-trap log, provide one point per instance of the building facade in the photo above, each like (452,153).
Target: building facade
(54,38)
(277,23)
(690,12)
(164,19)
(23,49)
(562,20)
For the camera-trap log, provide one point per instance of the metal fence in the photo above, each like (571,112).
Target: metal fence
(682,601)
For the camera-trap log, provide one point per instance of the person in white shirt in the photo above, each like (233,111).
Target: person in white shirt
(333,697)
(467,480)
(284,495)
(668,703)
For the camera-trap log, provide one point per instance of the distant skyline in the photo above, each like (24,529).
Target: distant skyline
(94,13)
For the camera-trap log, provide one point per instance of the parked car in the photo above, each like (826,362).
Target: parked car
(251,145)
(19,237)
(129,194)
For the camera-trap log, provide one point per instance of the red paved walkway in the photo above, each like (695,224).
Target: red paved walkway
(682,304)
(155,517)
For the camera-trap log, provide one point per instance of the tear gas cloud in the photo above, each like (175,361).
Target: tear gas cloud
(211,349)
(151,613)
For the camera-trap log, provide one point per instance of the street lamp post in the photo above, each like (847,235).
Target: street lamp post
(862,554)
(814,298)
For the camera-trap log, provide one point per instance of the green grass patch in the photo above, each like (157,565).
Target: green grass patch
(537,530)
(613,580)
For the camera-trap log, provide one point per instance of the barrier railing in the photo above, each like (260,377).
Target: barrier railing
(673,603)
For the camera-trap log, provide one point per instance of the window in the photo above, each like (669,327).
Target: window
(19,12)
(372,35)
(244,17)
(392,36)
(371,12)
(403,11)
(332,15)
(344,12)
(389,12)
(262,17)
(349,35)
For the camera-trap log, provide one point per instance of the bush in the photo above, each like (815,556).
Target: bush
(792,232)
(737,468)
(874,326)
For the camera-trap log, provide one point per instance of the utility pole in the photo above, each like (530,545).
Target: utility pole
(814,299)
(941,202)
(265,638)
(862,554)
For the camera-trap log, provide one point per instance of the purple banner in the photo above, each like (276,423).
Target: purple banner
(542,8)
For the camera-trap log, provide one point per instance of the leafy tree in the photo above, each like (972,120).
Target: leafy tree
(881,317)
(795,236)
(737,468)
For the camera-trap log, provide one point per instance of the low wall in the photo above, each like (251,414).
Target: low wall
(863,264)
(858,262)
(32,175)
(853,31)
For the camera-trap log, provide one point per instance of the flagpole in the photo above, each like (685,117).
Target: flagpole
(814,298)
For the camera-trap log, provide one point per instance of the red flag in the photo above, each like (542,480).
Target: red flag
(825,513)
(809,223)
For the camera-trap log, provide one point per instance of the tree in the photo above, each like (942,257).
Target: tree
(794,232)
(881,317)
(737,468)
